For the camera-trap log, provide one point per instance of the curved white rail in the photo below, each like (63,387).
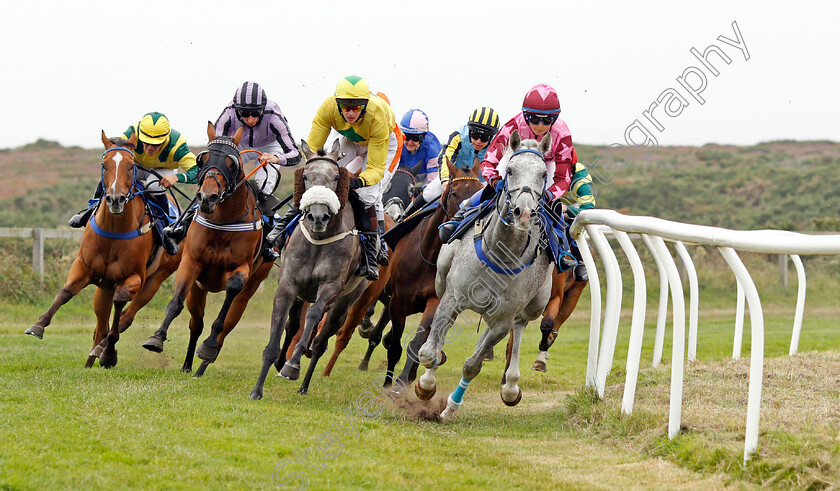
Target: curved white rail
(654,231)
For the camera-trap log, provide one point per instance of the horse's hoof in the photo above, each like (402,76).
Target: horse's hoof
(363,366)
(290,372)
(207,353)
(423,394)
(256,395)
(186,369)
(36,331)
(303,391)
(489,356)
(154,343)
(365,328)
(106,361)
(539,366)
(442,358)
(515,401)
(451,408)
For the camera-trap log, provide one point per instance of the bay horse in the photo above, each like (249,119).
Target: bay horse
(565,293)
(498,271)
(221,252)
(117,254)
(414,266)
(397,196)
(318,264)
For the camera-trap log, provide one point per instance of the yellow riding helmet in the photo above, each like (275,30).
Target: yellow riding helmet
(484,118)
(153,128)
(352,88)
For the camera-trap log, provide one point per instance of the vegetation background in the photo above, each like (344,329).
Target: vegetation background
(145,425)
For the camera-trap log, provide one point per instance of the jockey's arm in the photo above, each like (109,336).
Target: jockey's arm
(452,147)
(376,155)
(321,125)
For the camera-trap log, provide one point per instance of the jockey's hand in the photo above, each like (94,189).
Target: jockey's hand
(497,183)
(167,181)
(356,183)
(271,159)
(444,191)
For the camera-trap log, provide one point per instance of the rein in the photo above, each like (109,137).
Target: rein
(328,240)
(538,197)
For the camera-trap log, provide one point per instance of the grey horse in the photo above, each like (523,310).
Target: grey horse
(502,275)
(318,264)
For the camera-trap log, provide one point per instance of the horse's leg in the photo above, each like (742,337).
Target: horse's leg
(147,292)
(103,300)
(409,372)
(354,316)
(394,347)
(209,349)
(511,393)
(570,300)
(546,328)
(185,279)
(430,354)
(332,321)
(375,337)
(367,324)
(292,327)
(492,334)
(77,278)
(508,354)
(327,294)
(295,332)
(283,300)
(196,302)
(122,295)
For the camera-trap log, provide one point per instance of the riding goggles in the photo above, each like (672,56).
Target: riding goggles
(415,138)
(351,107)
(245,113)
(483,136)
(534,118)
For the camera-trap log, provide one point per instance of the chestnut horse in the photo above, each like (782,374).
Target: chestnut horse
(118,255)
(413,270)
(222,251)
(565,293)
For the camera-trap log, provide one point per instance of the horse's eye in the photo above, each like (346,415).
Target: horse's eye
(335,178)
(305,177)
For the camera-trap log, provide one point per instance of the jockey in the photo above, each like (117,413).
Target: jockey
(421,147)
(164,150)
(481,126)
(371,142)
(539,116)
(265,129)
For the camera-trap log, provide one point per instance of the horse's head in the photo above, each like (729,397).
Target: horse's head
(118,171)
(221,169)
(525,180)
(463,183)
(321,186)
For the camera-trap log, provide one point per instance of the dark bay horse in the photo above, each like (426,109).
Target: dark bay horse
(118,254)
(414,266)
(222,251)
(398,195)
(317,266)
(565,293)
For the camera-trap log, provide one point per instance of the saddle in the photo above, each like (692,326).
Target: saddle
(471,215)
(401,229)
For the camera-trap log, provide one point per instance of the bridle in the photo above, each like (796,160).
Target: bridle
(219,150)
(133,191)
(449,193)
(539,197)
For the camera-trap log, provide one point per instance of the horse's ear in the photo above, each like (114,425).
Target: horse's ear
(515,140)
(300,187)
(237,137)
(307,152)
(452,169)
(105,140)
(342,188)
(211,131)
(545,144)
(132,140)
(334,150)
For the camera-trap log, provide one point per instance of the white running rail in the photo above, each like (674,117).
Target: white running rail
(593,225)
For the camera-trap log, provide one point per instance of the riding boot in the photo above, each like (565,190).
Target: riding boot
(448,228)
(178,230)
(161,212)
(580,273)
(168,244)
(416,204)
(567,262)
(269,253)
(81,218)
(277,236)
(368,267)
(383,258)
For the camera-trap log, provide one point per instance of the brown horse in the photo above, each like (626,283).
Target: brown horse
(565,293)
(118,255)
(413,270)
(222,251)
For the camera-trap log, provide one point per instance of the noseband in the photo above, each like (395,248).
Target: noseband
(219,150)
